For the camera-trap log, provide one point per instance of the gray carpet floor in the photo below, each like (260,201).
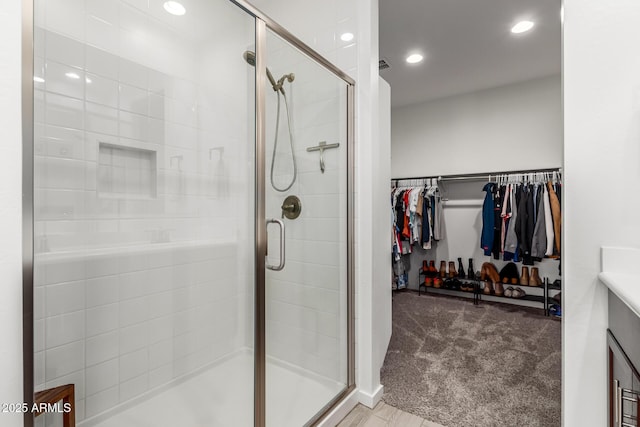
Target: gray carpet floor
(461,365)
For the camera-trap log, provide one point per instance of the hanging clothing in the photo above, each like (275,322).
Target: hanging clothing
(438,221)
(417,218)
(556,216)
(539,241)
(548,222)
(488,220)
(505,215)
(428,220)
(511,240)
(498,196)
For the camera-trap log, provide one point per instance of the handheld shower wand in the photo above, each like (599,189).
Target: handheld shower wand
(250,57)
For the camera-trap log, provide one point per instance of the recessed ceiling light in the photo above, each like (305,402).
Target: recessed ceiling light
(346,37)
(522,26)
(414,58)
(72,75)
(38,79)
(174,8)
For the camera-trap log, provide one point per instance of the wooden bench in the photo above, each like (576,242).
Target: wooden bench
(54,395)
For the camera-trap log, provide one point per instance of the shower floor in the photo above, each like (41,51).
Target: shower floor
(223,396)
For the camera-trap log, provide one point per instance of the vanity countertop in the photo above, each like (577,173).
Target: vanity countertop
(619,274)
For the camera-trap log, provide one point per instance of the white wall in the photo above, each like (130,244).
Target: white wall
(381,221)
(11,209)
(601,157)
(512,127)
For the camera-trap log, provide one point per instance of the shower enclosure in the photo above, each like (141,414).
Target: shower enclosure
(176,278)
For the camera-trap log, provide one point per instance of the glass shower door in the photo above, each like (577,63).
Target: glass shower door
(306,196)
(144,206)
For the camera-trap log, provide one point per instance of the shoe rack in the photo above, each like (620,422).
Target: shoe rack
(474,288)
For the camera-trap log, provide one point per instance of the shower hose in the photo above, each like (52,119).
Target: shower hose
(275,145)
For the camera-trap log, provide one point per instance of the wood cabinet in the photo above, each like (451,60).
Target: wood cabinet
(624,387)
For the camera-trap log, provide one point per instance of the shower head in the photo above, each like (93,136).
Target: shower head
(250,57)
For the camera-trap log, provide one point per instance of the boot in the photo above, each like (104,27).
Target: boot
(471,272)
(524,277)
(534,278)
(425,266)
(452,269)
(491,272)
(488,289)
(433,272)
(443,269)
(460,269)
(428,282)
(483,271)
(437,283)
(499,290)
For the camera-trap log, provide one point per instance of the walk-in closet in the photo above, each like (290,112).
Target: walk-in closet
(475,207)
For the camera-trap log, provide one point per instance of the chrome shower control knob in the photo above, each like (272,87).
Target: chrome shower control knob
(291,207)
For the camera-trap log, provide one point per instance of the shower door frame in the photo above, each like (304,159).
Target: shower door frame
(262,23)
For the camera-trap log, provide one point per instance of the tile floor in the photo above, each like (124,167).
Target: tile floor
(383,415)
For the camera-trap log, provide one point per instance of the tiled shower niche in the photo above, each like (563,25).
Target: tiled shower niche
(126,172)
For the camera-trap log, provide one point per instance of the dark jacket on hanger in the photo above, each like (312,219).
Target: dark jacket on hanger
(488,220)
(525,225)
(498,198)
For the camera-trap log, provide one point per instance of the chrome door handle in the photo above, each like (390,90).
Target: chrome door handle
(280,223)
(617,404)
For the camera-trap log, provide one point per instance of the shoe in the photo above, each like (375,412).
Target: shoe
(499,290)
(524,277)
(508,292)
(471,272)
(455,284)
(488,288)
(428,282)
(534,278)
(557,298)
(509,273)
(491,272)
(425,266)
(452,270)
(443,269)
(433,272)
(518,293)
(483,272)
(437,283)
(461,274)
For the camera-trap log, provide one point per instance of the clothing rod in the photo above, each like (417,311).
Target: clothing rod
(477,176)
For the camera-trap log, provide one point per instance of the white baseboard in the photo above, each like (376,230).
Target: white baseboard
(371,400)
(340,411)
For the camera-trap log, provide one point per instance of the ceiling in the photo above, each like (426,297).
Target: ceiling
(467,45)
